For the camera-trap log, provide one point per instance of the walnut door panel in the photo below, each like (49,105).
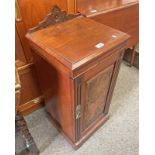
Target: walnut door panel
(95,89)
(96,94)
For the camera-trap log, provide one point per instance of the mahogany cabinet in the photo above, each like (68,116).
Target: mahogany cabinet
(119,14)
(77,64)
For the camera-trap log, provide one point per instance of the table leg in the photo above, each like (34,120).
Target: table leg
(132,58)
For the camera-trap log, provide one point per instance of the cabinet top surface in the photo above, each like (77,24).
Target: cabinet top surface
(93,7)
(77,41)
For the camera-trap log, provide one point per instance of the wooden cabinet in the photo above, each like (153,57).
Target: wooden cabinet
(77,63)
(119,14)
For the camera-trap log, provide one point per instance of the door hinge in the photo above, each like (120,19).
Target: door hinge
(78,111)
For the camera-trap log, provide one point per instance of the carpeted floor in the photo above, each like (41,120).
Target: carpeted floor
(119,135)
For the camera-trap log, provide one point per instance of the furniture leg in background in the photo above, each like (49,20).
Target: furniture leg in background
(132,58)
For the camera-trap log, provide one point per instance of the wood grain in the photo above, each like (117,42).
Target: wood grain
(96,93)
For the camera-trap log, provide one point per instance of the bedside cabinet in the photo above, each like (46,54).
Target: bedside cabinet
(77,64)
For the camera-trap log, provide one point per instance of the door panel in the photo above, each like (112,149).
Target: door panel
(96,94)
(95,89)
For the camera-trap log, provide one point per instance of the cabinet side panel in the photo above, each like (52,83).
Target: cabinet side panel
(56,87)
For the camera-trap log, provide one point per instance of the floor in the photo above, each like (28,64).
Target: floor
(119,135)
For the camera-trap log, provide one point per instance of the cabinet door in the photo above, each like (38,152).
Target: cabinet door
(94,92)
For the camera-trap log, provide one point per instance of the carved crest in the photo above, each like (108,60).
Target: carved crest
(54,17)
